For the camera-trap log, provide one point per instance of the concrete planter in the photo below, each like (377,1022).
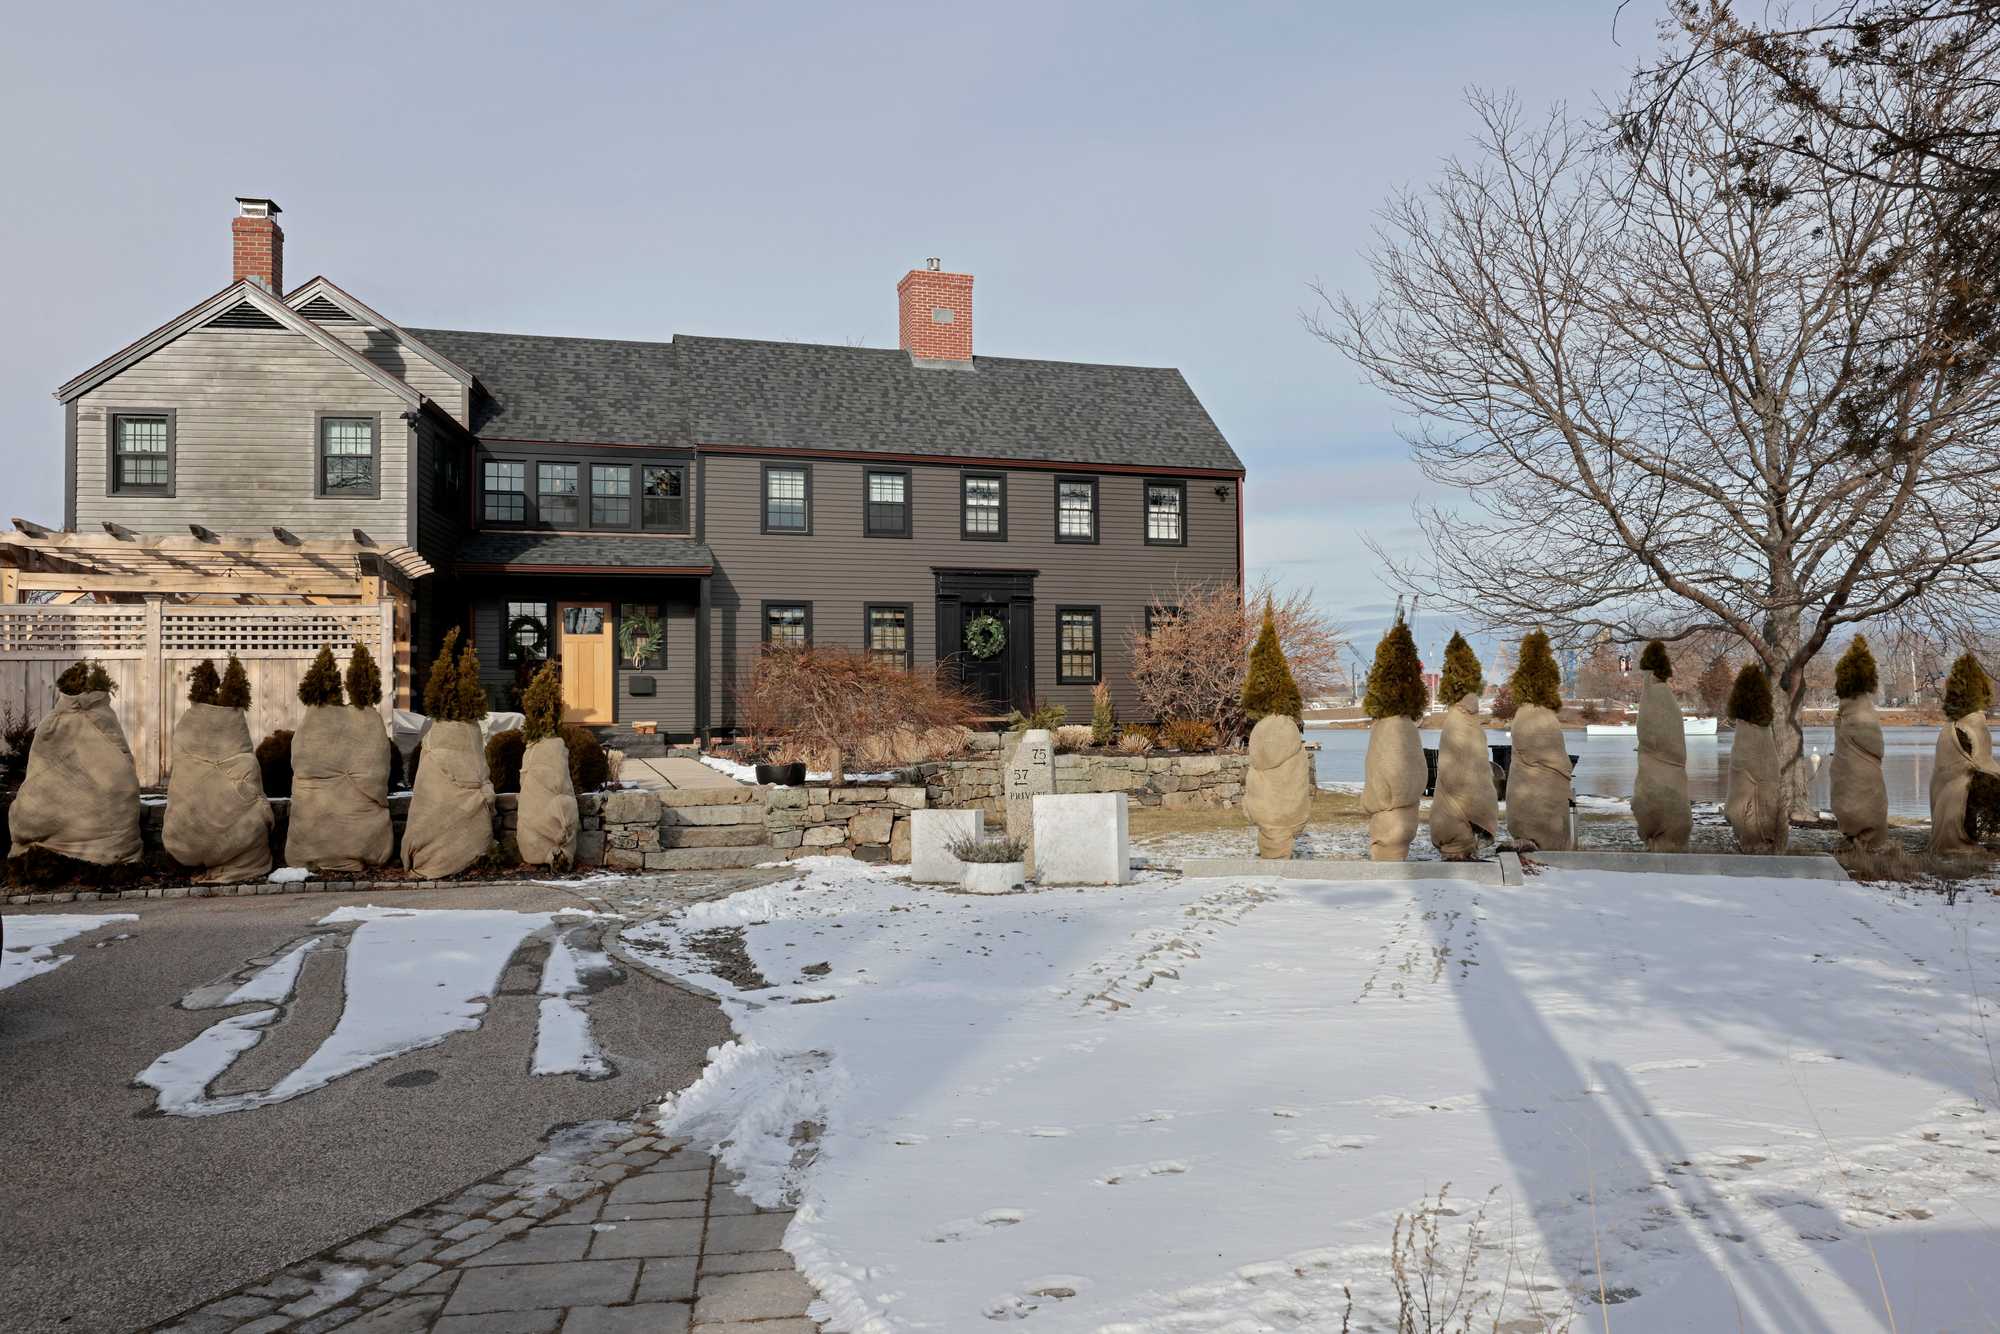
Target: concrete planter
(994,877)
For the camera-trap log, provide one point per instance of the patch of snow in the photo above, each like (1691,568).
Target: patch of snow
(289,875)
(1727,1089)
(564,1044)
(32,939)
(747,773)
(273,983)
(180,1078)
(1590,804)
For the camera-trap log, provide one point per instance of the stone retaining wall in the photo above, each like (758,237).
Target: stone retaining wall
(1176,782)
(869,821)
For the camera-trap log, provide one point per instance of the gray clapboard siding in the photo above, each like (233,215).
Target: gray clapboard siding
(246,403)
(840,571)
(393,355)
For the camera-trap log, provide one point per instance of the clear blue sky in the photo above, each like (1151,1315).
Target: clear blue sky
(1153,184)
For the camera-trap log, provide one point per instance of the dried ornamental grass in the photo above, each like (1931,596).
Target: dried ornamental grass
(1073,737)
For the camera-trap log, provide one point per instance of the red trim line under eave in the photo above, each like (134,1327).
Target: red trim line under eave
(584,569)
(970,460)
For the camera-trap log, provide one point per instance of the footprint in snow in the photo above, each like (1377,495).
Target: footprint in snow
(989,1221)
(1048,1132)
(1167,1168)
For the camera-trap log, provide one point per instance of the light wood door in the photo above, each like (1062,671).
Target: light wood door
(585,639)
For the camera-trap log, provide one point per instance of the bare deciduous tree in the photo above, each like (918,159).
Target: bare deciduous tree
(1641,362)
(1192,663)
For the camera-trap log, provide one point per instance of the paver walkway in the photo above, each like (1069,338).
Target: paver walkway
(676,772)
(613,1231)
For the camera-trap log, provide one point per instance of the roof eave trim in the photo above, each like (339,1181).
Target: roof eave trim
(980,461)
(234,294)
(518,567)
(360,310)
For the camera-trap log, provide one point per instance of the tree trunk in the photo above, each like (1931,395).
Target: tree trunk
(1783,633)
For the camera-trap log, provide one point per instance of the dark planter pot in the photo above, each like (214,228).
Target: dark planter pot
(785,775)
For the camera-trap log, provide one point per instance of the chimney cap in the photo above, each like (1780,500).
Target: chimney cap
(933,264)
(252,206)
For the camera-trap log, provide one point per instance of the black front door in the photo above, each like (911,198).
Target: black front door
(986,627)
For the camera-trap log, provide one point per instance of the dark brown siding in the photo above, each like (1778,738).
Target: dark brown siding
(839,570)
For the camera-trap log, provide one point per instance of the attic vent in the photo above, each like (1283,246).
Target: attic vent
(243,316)
(321,311)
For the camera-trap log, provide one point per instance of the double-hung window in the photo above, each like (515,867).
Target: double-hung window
(983,506)
(886,502)
(504,490)
(1158,615)
(1076,645)
(663,506)
(1166,514)
(888,627)
(610,495)
(556,496)
(347,456)
(142,454)
(1076,509)
(788,624)
(787,499)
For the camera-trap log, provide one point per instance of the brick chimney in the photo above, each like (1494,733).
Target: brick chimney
(934,314)
(257,244)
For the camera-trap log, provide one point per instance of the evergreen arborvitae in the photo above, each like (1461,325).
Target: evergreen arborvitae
(204,683)
(1654,659)
(470,706)
(364,678)
(1396,680)
(1854,674)
(1750,697)
(235,692)
(1537,679)
(1462,673)
(1268,686)
(100,680)
(441,689)
(321,684)
(75,678)
(542,703)
(1967,690)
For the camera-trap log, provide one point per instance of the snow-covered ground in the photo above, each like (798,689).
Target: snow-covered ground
(32,939)
(1201,1105)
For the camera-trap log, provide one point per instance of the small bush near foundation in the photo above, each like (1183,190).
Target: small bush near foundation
(1072,737)
(1966,691)
(274,758)
(816,704)
(541,703)
(1103,718)
(1750,697)
(235,690)
(1196,735)
(989,851)
(1854,675)
(1047,717)
(504,751)
(589,768)
(204,682)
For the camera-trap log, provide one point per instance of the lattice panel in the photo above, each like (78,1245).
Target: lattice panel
(72,631)
(290,631)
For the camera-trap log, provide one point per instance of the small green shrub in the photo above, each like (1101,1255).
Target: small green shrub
(235,691)
(1195,735)
(1854,675)
(1047,717)
(1396,680)
(1268,686)
(1750,697)
(321,684)
(1103,718)
(504,751)
(1462,673)
(85,676)
(1654,659)
(204,683)
(541,701)
(274,759)
(1967,690)
(589,769)
(17,733)
(364,679)
(1537,680)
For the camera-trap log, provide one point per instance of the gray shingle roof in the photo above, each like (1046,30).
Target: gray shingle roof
(608,550)
(736,391)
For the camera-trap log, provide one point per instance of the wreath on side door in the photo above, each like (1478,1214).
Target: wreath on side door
(529,637)
(985,636)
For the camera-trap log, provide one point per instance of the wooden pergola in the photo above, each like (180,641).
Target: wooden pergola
(117,565)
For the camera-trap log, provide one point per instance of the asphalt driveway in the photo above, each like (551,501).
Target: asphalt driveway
(116,1216)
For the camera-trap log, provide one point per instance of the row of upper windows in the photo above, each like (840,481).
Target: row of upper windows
(551,494)
(143,452)
(982,505)
(886,635)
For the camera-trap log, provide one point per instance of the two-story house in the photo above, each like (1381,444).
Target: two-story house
(652,514)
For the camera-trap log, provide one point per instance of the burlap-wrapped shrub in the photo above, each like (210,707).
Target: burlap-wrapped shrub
(547,821)
(451,804)
(340,779)
(1860,797)
(1660,791)
(1965,783)
(1277,791)
(1538,783)
(1395,764)
(1464,807)
(1756,807)
(80,796)
(218,823)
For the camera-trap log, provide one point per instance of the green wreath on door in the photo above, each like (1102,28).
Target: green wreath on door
(985,636)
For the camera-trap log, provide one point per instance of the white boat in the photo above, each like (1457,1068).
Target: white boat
(1702,726)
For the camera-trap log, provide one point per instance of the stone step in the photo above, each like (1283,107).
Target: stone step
(713,836)
(710,859)
(723,794)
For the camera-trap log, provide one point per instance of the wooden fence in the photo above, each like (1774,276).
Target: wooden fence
(148,650)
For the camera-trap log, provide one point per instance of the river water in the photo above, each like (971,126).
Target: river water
(1606,765)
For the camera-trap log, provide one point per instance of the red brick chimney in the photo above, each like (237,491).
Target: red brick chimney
(257,243)
(934,314)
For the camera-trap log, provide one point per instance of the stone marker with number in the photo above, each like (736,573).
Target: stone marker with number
(1030,772)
